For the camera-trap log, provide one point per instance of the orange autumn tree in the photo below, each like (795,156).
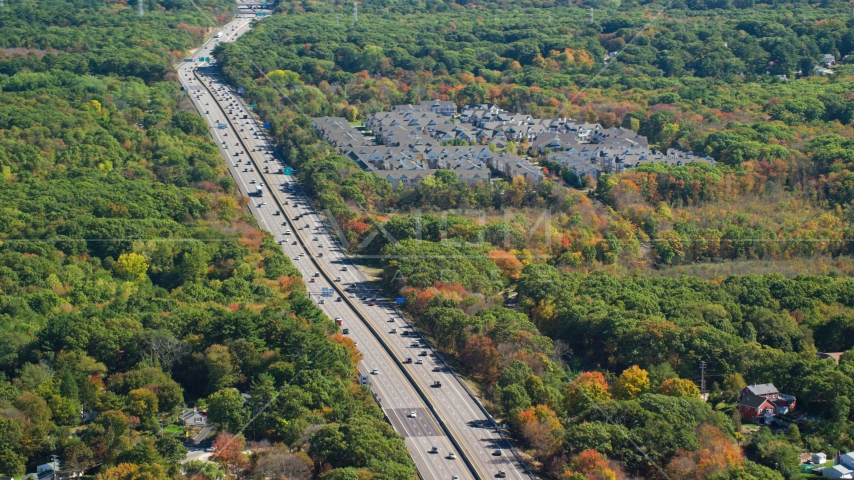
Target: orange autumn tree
(483,358)
(589,465)
(542,430)
(716,454)
(587,389)
(228,451)
(350,346)
(510,266)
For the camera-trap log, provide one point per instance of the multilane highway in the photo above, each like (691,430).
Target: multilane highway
(447,417)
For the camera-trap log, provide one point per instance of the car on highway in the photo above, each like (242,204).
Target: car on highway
(393,330)
(413,414)
(423,353)
(419,362)
(435,449)
(338,321)
(346,331)
(502,474)
(375,371)
(496,453)
(452,456)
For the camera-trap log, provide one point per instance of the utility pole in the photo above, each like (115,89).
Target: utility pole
(55,464)
(355,12)
(702,379)
(337,18)
(591,14)
(139,3)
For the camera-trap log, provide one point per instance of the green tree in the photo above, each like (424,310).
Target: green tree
(220,365)
(225,408)
(12,462)
(201,470)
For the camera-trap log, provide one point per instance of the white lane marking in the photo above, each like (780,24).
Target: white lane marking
(228,121)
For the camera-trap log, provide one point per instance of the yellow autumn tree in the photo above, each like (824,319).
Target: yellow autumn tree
(132,266)
(631,383)
(130,471)
(679,387)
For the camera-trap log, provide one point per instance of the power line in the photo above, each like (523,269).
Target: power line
(355,12)
(139,3)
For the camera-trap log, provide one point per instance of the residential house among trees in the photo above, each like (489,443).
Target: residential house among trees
(760,403)
(844,467)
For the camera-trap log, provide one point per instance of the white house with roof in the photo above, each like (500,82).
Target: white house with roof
(837,471)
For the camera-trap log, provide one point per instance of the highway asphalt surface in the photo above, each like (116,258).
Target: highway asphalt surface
(385,339)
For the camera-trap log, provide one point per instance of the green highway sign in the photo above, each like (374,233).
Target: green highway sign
(201,59)
(288,171)
(252,105)
(208,59)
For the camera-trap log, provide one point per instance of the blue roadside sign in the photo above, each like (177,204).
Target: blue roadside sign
(266,125)
(240,91)
(400,300)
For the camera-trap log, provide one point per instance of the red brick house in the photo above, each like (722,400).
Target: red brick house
(761,402)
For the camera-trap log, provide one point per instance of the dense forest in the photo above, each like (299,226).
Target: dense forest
(134,284)
(551,296)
